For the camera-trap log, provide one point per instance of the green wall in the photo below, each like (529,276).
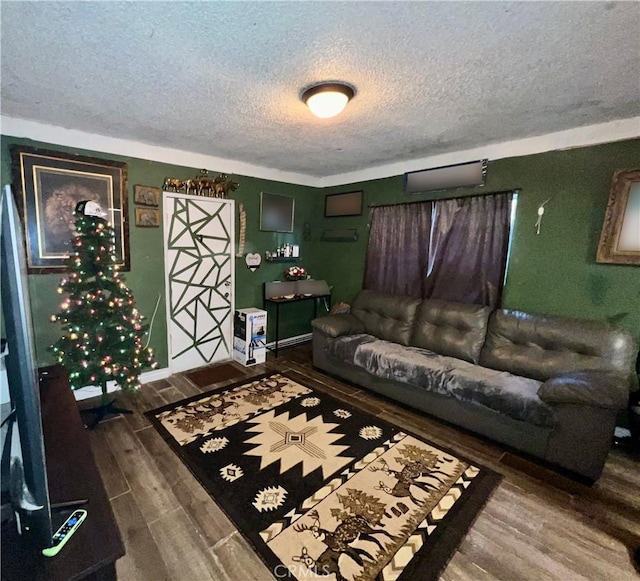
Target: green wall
(146,278)
(552,273)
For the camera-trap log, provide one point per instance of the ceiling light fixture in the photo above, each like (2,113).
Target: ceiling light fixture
(327,99)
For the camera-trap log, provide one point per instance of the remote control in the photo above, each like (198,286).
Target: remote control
(62,535)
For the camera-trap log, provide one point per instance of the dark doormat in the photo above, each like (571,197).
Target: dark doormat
(322,488)
(214,374)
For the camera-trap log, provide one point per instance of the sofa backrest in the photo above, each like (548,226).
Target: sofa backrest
(384,316)
(453,329)
(544,346)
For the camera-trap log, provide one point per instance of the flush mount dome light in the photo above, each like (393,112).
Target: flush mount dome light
(327,99)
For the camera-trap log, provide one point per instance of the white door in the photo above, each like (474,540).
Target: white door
(199,270)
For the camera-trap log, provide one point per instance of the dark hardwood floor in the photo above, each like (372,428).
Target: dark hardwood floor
(538,525)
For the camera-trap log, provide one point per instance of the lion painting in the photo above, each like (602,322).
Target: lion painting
(59,219)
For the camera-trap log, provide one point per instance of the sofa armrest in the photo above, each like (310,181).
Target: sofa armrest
(337,325)
(605,389)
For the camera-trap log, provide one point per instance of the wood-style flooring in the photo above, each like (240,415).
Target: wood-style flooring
(538,525)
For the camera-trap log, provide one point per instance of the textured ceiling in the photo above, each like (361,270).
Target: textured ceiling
(224,78)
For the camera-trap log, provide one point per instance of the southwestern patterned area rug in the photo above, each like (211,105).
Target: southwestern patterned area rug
(322,489)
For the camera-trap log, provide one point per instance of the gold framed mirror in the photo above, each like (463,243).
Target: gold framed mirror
(620,236)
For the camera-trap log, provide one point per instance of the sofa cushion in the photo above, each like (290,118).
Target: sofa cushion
(337,325)
(453,329)
(542,346)
(514,396)
(385,316)
(344,348)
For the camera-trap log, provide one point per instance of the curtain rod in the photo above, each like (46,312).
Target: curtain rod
(512,191)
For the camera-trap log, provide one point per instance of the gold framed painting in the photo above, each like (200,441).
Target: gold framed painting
(48,185)
(620,236)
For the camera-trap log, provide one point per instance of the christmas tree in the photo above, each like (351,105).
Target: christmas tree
(102,329)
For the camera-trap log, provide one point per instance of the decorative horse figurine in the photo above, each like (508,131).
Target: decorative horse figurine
(190,186)
(205,185)
(172,184)
(223,185)
(202,185)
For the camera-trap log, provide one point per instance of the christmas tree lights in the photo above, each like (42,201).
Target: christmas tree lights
(103,332)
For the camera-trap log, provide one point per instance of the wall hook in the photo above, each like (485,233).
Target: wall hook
(540,214)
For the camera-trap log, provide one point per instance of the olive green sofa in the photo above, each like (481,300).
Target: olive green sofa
(548,386)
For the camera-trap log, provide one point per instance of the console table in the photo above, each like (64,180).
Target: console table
(277,301)
(72,473)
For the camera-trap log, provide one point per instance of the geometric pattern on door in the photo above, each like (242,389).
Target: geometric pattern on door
(199,251)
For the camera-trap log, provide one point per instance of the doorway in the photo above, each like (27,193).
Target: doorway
(199,279)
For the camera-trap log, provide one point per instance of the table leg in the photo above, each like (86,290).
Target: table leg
(277,327)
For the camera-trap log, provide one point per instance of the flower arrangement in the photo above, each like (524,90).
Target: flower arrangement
(295,273)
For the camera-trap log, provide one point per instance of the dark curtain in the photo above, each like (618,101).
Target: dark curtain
(468,249)
(398,249)
(454,250)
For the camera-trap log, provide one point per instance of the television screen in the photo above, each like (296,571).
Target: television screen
(347,204)
(28,486)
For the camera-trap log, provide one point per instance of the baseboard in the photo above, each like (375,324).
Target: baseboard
(290,341)
(155,375)
(90,391)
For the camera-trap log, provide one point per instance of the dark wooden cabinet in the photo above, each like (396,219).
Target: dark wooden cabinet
(92,551)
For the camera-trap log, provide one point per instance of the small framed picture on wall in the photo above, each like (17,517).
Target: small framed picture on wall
(146,196)
(147,217)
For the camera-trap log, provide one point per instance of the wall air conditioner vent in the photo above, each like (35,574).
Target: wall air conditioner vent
(462,175)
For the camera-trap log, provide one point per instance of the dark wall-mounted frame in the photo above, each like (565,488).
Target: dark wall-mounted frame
(344,204)
(620,236)
(276,212)
(48,185)
(448,177)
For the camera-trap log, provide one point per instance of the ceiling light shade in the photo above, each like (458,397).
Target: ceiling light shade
(327,99)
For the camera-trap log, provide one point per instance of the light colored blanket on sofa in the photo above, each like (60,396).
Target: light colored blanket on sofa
(500,391)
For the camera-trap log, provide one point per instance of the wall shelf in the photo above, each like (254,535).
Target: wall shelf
(340,235)
(282,259)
